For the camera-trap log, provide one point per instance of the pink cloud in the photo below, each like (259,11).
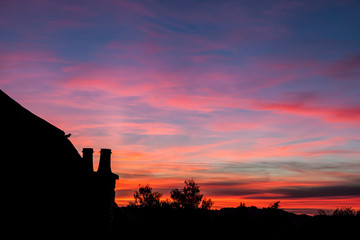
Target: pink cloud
(203,103)
(30,67)
(160,89)
(264,148)
(127,81)
(310,105)
(153,128)
(330,114)
(178,90)
(29,56)
(226,126)
(345,68)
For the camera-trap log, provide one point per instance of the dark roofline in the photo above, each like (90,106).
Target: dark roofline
(15,108)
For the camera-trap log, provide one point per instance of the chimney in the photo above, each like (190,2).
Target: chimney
(88,158)
(104,164)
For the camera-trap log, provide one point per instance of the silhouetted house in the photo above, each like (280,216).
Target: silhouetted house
(48,186)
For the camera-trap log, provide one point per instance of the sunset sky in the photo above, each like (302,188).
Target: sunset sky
(257,101)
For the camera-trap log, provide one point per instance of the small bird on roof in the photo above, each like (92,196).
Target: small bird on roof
(68,135)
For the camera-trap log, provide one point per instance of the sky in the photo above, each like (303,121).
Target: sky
(257,101)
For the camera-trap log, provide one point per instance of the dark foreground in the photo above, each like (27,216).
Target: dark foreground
(230,223)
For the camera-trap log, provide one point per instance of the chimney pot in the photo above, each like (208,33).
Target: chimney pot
(104,164)
(88,158)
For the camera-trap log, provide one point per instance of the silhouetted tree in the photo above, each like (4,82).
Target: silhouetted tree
(275,205)
(345,211)
(188,197)
(167,203)
(146,198)
(206,204)
(322,213)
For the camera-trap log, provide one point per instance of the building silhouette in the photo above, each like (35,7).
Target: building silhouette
(48,187)
(101,186)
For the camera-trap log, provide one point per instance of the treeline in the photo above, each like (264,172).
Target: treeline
(340,212)
(234,223)
(189,197)
(188,215)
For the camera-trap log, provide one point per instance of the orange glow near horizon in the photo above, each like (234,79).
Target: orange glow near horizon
(313,204)
(165,169)
(161,181)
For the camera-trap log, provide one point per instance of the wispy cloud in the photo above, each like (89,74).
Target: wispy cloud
(253,101)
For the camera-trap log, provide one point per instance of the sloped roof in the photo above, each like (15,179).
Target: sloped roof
(45,173)
(20,118)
